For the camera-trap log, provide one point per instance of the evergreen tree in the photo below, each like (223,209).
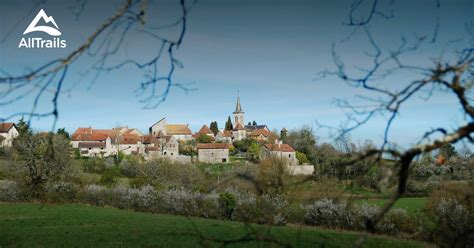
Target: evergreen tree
(228,124)
(22,127)
(447,151)
(214,127)
(254,123)
(249,124)
(63,132)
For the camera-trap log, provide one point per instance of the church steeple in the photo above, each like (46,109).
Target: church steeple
(238,108)
(238,113)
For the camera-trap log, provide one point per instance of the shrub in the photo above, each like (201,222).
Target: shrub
(267,209)
(9,191)
(61,191)
(227,202)
(273,176)
(130,168)
(39,159)
(178,201)
(94,194)
(398,223)
(330,213)
(108,179)
(452,209)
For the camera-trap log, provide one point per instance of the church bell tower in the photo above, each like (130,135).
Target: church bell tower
(238,114)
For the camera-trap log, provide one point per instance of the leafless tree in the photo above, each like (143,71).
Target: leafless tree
(101,45)
(449,77)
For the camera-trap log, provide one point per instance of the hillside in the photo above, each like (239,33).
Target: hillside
(33,225)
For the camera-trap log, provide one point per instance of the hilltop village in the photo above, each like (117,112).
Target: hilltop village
(164,140)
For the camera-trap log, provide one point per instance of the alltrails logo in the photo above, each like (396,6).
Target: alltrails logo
(38,42)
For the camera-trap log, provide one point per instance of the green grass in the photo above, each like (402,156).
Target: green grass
(411,204)
(34,225)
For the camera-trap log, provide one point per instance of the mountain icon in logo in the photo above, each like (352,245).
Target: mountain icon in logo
(47,29)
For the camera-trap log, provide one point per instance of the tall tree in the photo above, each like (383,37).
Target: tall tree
(447,151)
(214,127)
(228,124)
(254,123)
(23,127)
(63,132)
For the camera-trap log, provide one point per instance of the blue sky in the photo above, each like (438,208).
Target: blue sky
(269,51)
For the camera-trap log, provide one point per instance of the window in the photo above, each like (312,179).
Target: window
(289,155)
(171,154)
(224,160)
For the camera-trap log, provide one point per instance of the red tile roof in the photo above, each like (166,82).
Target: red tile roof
(205,130)
(279,147)
(5,127)
(264,132)
(238,127)
(91,144)
(212,146)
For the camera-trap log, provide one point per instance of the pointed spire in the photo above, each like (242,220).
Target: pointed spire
(238,108)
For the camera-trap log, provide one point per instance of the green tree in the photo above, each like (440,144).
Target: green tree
(303,140)
(63,132)
(203,138)
(301,157)
(254,123)
(214,127)
(253,152)
(40,159)
(228,124)
(447,151)
(23,127)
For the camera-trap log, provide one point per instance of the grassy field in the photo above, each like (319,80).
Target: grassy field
(33,225)
(411,204)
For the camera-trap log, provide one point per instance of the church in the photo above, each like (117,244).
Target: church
(242,131)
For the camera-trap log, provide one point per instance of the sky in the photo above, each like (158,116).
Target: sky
(270,53)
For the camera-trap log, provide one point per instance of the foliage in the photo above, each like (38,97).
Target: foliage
(228,203)
(9,191)
(244,144)
(63,132)
(253,152)
(452,209)
(272,176)
(38,159)
(188,148)
(447,151)
(303,140)
(23,127)
(301,157)
(214,127)
(330,213)
(203,138)
(228,124)
(108,179)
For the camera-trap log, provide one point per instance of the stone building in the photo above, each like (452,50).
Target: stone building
(281,151)
(213,152)
(8,132)
(179,131)
(107,142)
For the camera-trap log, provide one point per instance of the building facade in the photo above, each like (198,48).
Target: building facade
(8,132)
(213,153)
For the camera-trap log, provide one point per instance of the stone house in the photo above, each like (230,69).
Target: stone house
(239,132)
(8,132)
(179,131)
(224,136)
(213,152)
(107,142)
(281,151)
